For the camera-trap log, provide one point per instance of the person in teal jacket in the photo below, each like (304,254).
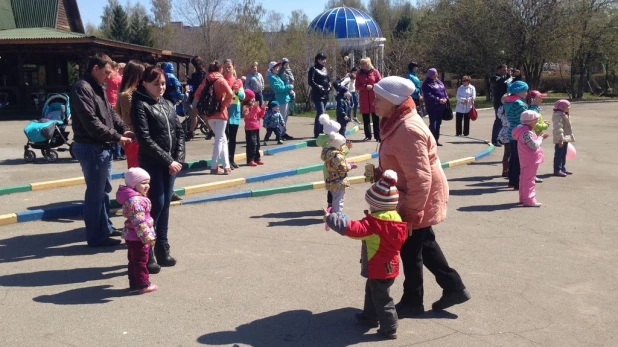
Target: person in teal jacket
(282,94)
(412,76)
(513,108)
(233,111)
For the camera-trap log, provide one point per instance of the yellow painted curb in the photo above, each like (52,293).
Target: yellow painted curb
(318,185)
(6,219)
(67,182)
(357,179)
(213,186)
(462,161)
(175,203)
(363,157)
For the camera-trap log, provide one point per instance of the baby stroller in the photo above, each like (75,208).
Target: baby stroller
(50,131)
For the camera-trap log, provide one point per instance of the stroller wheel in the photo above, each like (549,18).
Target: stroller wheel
(51,156)
(29,156)
(204,129)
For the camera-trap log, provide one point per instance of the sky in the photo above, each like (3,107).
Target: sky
(91,10)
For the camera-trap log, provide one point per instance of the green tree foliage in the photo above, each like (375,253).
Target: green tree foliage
(140,27)
(161,12)
(106,18)
(358,4)
(119,25)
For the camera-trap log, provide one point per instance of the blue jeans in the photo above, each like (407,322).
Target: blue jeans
(560,157)
(435,121)
(96,163)
(160,195)
(320,108)
(355,103)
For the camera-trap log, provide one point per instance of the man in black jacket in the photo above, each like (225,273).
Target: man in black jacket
(96,128)
(499,85)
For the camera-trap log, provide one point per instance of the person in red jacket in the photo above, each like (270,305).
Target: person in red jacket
(365,80)
(383,233)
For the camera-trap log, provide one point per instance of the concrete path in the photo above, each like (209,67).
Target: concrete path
(263,272)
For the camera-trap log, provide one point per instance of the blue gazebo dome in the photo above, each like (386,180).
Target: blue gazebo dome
(346,23)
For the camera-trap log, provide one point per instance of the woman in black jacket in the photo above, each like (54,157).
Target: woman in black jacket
(161,153)
(320,86)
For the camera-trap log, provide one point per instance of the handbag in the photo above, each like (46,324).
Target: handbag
(473,114)
(448,112)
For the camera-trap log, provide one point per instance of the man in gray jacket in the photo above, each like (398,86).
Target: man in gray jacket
(255,82)
(96,128)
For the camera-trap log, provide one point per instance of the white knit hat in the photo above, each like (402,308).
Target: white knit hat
(383,195)
(329,125)
(336,140)
(134,176)
(394,89)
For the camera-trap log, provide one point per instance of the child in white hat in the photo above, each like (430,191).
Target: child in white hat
(329,126)
(383,233)
(336,168)
(530,154)
(138,229)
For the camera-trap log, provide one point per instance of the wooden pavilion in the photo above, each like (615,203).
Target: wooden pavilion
(43,50)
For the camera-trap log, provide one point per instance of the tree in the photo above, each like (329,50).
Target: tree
(162,12)
(209,17)
(106,17)
(249,38)
(119,29)
(140,27)
(358,4)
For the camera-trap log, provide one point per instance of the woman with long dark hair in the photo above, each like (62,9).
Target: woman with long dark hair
(161,153)
(130,81)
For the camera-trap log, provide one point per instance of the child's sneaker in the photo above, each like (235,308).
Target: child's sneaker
(264,144)
(151,288)
(280,142)
(259,162)
(252,163)
(560,174)
(536,204)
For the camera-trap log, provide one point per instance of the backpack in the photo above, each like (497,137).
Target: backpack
(208,103)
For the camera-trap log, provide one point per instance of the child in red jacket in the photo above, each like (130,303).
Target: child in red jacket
(383,233)
(252,115)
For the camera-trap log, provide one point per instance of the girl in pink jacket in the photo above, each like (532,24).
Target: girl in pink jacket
(530,156)
(252,115)
(138,229)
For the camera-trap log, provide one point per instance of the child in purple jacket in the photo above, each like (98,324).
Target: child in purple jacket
(138,228)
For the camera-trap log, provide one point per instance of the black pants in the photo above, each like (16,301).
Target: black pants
(253,145)
(231,130)
(343,124)
(269,131)
(495,131)
(379,304)
(435,121)
(376,125)
(329,199)
(465,119)
(514,168)
(422,249)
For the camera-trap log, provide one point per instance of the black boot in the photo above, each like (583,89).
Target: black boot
(153,267)
(163,256)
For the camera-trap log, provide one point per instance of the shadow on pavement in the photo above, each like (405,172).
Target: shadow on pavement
(473,179)
(476,191)
(60,277)
(489,208)
(39,246)
(332,328)
(38,161)
(486,163)
(84,296)
(294,219)
(436,315)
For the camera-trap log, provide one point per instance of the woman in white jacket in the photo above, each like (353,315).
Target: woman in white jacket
(466,94)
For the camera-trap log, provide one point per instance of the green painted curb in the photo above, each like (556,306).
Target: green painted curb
(192,165)
(310,168)
(180,191)
(301,144)
(15,189)
(445,165)
(280,190)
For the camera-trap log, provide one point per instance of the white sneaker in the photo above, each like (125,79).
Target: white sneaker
(536,204)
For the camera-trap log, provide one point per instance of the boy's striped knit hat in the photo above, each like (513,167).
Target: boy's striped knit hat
(383,195)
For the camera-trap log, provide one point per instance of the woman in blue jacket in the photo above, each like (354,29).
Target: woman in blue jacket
(282,94)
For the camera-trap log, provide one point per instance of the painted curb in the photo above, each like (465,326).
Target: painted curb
(77,209)
(192,165)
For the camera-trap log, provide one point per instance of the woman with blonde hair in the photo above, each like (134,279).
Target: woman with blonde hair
(130,81)
(367,77)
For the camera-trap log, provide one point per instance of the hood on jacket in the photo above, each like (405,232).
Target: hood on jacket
(512,98)
(397,231)
(519,131)
(168,68)
(125,193)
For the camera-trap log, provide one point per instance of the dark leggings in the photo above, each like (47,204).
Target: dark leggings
(367,120)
